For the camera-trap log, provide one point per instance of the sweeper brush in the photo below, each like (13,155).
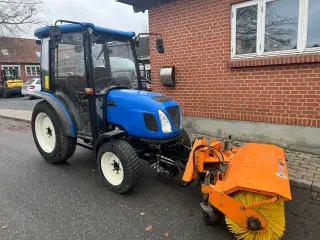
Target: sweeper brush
(248,185)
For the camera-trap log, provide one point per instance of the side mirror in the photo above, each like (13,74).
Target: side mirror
(159,45)
(137,41)
(55,34)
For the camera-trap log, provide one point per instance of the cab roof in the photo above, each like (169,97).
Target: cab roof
(44,31)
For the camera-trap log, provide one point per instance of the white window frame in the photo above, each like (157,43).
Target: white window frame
(262,6)
(13,66)
(35,66)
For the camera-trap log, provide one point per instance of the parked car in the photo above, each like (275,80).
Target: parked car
(31,87)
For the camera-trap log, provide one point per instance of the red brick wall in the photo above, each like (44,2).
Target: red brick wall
(197,41)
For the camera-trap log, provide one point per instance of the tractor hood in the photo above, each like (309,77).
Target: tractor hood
(137,112)
(147,99)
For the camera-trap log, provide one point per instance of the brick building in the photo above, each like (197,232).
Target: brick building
(21,54)
(246,68)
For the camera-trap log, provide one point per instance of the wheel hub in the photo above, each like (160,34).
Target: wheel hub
(116,166)
(45,132)
(49,132)
(254,224)
(112,168)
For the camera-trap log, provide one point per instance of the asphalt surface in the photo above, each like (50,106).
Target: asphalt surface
(69,201)
(21,103)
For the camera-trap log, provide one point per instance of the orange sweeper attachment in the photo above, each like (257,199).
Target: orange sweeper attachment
(248,185)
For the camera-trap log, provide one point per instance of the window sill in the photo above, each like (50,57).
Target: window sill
(279,60)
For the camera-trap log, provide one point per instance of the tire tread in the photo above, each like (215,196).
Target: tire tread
(130,162)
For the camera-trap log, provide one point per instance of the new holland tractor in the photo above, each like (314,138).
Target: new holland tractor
(90,99)
(102,108)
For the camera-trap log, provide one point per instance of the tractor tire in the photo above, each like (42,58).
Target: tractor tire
(186,141)
(48,135)
(5,94)
(212,221)
(185,138)
(119,166)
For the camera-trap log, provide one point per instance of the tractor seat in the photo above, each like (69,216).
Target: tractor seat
(75,86)
(76,83)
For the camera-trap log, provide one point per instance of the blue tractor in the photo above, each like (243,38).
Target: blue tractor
(92,100)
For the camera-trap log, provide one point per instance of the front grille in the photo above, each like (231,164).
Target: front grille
(174,113)
(151,122)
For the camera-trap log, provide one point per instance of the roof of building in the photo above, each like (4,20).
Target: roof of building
(142,5)
(44,31)
(19,50)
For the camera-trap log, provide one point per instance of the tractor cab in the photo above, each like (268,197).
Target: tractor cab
(81,63)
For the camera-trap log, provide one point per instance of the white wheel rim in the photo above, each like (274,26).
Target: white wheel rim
(112,168)
(45,132)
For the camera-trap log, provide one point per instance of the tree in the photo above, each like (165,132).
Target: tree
(18,16)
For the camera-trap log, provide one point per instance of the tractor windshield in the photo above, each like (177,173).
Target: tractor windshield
(114,64)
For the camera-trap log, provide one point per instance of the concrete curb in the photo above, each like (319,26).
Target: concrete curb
(294,182)
(16,118)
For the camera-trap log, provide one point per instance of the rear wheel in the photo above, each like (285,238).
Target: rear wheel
(4,93)
(48,135)
(119,166)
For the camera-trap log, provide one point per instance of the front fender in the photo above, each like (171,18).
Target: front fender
(64,115)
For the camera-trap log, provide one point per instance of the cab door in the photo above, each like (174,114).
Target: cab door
(70,79)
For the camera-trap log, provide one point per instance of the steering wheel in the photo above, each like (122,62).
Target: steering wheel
(103,86)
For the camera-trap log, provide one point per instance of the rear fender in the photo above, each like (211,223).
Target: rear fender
(64,115)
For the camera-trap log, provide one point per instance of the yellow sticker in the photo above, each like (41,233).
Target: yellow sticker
(46,82)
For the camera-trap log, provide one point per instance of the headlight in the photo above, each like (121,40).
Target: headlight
(165,123)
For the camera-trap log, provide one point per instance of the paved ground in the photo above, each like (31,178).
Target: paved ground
(21,103)
(43,201)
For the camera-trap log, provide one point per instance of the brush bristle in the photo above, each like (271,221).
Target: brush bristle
(273,213)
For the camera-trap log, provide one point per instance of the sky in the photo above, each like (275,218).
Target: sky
(104,13)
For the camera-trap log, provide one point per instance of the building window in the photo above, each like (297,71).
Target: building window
(275,27)
(313,39)
(33,70)
(8,67)
(246,30)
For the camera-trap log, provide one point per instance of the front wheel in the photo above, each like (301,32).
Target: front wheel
(48,135)
(119,166)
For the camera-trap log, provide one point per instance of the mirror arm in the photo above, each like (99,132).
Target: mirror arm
(149,34)
(67,21)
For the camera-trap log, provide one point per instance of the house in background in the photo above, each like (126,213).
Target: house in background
(246,68)
(20,54)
